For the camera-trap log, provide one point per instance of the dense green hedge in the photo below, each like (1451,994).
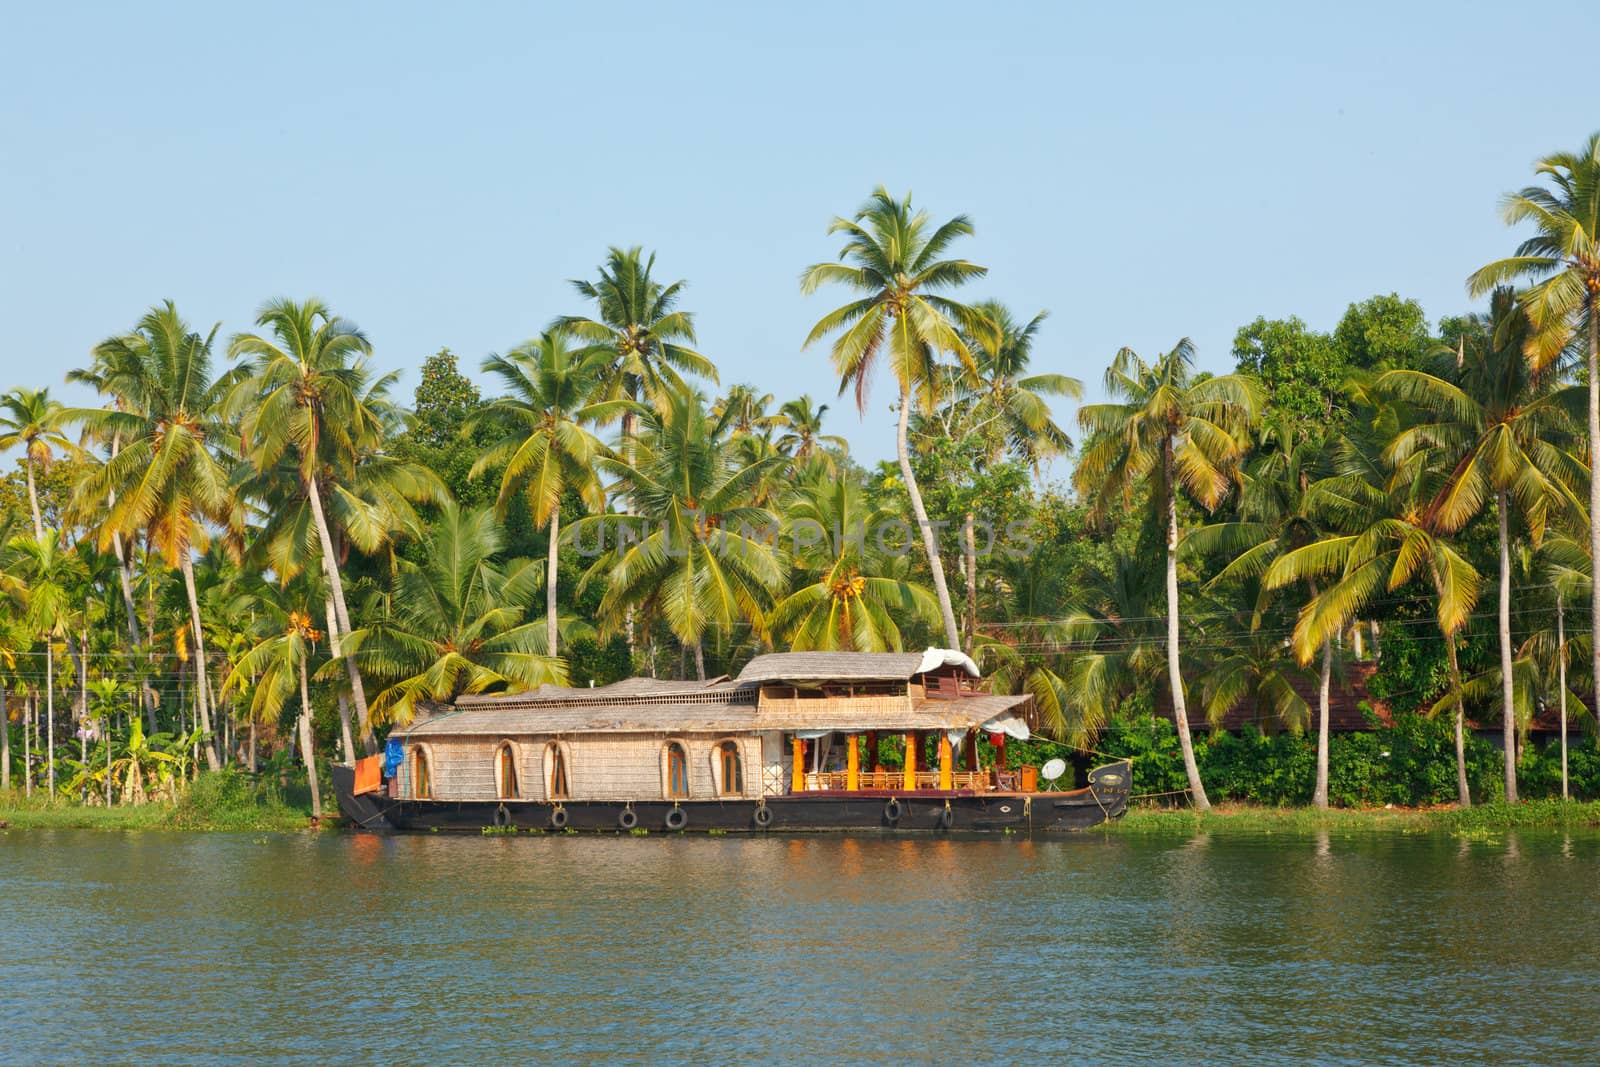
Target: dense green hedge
(1410,763)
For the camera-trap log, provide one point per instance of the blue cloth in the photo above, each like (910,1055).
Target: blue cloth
(394,754)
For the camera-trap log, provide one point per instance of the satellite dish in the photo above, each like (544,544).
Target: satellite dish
(1053,769)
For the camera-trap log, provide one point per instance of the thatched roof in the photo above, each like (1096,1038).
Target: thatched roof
(830,667)
(736,713)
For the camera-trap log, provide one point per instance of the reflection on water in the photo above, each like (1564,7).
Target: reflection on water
(1323,949)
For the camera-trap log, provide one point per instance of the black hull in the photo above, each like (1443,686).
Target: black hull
(878,811)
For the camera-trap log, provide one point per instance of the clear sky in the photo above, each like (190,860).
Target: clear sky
(436,172)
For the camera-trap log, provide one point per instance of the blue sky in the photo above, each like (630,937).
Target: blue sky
(1142,171)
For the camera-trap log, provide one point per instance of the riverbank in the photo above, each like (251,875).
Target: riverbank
(224,801)
(1254,819)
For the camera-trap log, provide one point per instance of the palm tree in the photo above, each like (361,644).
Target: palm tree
(1082,665)
(546,451)
(275,668)
(802,439)
(706,558)
(892,257)
(1562,262)
(1167,433)
(47,577)
(31,419)
(1006,404)
(638,326)
(847,595)
(1499,428)
(305,401)
(1275,515)
(165,482)
(1381,499)
(456,622)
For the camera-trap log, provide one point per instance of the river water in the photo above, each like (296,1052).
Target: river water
(170,948)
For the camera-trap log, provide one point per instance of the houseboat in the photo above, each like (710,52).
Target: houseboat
(791,744)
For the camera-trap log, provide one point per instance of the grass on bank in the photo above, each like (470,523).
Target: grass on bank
(216,801)
(1249,818)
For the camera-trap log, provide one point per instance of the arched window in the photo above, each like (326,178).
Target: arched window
(555,762)
(677,772)
(732,776)
(505,772)
(421,775)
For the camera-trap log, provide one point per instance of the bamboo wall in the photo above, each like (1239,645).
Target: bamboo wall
(600,766)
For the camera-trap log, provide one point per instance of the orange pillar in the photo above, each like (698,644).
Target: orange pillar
(946,762)
(852,772)
(910,781)
(798,783)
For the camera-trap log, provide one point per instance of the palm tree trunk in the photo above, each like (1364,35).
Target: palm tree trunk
(33,500)
(969,545)
(1180,707)
(125,580)
(344,704)
(1463,795)
(930,542)
(1594,485)
(1561,681)
(1507,681)
(305,741)
(330,567)
(630,433)
(699,660)
(252,754)
(5,744)
(1319,795)
(550,583)
(27,747)
(202,710)
(50,716)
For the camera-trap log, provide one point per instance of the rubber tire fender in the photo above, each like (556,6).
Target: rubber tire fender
(677,819)
(893,810)
(763,816)
(947,818)
(627,819)
(558,819)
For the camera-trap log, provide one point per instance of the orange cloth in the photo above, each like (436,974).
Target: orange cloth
(369,775)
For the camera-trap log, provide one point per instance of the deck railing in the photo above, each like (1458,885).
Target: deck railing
(838,781)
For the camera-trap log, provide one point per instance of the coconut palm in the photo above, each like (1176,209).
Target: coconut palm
(892,256)
(1166,433)
(1380,501)
(705,558)
(456,622)
(277,667)
(166,482)
(1082,664)
(1504,434)
(1561,261)
(638,326)
(546,451)
(47,578)
(29,418)
(1274,516)
(307,400)
(848,592)
(802,439)
(1006,404)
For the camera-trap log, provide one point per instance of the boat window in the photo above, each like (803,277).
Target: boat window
(732,771)
(421,776)
(506,771)
(560,785)
(677,771)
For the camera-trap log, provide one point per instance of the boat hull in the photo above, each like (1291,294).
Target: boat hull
(924,811)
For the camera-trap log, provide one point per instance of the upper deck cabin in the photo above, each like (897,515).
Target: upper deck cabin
(790,722)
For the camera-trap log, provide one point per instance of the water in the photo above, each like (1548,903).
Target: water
(1362,950)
